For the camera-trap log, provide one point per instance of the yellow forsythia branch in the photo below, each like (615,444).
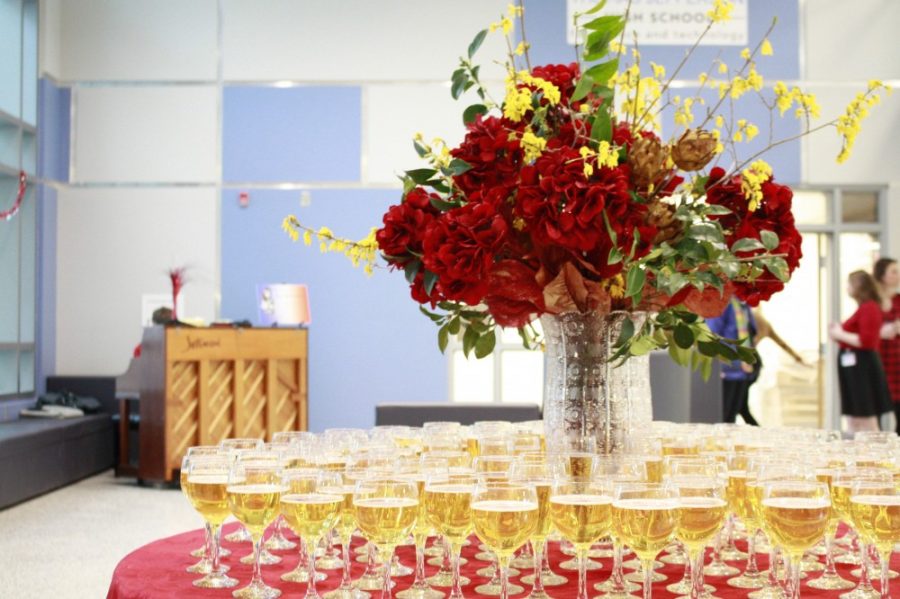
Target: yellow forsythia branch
(364,251)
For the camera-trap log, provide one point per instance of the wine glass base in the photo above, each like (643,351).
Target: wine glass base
(548,578)
(635,564)
(216,581)
(675,559)
(202,552)
(265,558)
(706,594)
(362,550)
(523,562)
(489,572)
(278,543)
(808,565)
(493,590)
(204,566)
(831,582)
(372,582)
(683,587)
(399,570)
(720,569)
(752,581)
(434,551)
(616,595)
(861,594)
(239,536)
(851,558)
(329,562)
(874,573)
(638,576)
(733,555)
(485,556)
(301,576)
(346,594)
(437,561)
(445,579)
(610,591)
(256,591)
(572,565)
(424,593)
(768,593)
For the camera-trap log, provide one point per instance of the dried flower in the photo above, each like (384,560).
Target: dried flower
(694,149)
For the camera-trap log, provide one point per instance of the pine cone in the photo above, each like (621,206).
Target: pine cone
(648,161)
(662,216)
(694,149)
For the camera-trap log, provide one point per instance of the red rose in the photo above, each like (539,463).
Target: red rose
(514,297)
(404,227)
(773,214)
(418,293)
(460,247)
(561,206)
(495,158)
(563,76)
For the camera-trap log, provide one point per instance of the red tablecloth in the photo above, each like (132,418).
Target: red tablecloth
(158,570)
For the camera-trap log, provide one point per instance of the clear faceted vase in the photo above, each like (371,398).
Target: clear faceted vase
(590,405)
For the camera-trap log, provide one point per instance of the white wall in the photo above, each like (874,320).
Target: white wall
(115,245)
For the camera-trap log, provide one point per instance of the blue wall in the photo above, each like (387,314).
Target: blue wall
(368,342)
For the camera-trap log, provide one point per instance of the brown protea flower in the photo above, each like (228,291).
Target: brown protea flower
(648,161)
(662,216)
(694,149)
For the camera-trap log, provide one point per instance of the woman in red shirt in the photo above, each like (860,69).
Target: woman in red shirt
(887,276)
(864,392)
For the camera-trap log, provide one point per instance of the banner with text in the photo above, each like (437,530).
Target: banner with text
(667,22)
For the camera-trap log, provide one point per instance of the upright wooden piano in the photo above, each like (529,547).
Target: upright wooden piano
(202,385)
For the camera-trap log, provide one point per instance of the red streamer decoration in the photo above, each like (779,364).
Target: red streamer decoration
(8,214)
(176,275)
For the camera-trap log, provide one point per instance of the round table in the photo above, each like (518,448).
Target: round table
(157,570)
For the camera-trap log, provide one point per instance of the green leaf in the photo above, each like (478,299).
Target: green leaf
(680,356)
(470,338)
(582,88)
(609,229)
(596,8)
(459,85)
(421,175)
(473,111)
(626,333)
(706,368)
(453,325)
(603,71)
(615,256)
(458,166)
(434,317)
(769,239)
(443,338)
(642,346)
(601,130)
(746,354)
(476,43)
(716,209)
(779,267)
(485,344)
(705,231)
(709,349)
(634,281)
(430,279)
(420,149)
(746,244)
(411,270)
(605,24)
(730,266)
(684,336)
(442,205)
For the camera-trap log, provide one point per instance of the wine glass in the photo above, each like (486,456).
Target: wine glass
(796,515)
(206,479)
(385,510)
(830,580)
(233,447)
(493,468)
(448,508)
(644,518)
(505,515)
(205,564)
(428,465)
(254,492)
(346,526)
(300,480)
(529,469)
(701,514)
(739,503)
(580,509)
(311,505)
(620,470)
(875,511)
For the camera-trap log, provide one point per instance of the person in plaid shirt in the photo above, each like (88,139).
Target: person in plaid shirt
(887,276)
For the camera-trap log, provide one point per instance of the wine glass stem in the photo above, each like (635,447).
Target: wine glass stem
(387,556)
(540,551)
(696,561)
(795,576)
(830,569)
(865,581)
(503,565)
(207,542)
(752,567)
(454,551)
(215,533)
(618,578)
(419,582)
(581,555)
(885,576)
(773,568)
(257,553)
(647,565)
(345,554)
(310,569)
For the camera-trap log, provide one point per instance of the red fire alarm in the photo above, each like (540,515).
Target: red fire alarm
(244,199)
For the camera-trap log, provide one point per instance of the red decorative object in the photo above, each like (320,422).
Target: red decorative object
(176,275)
(20,195)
